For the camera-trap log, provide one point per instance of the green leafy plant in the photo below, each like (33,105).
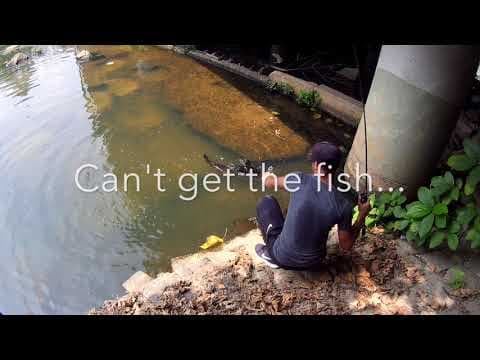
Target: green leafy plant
(282,88)
(469,161)
(385,209)
(458,279)
(446,211)
(308,99)
(428,216)
(467,220)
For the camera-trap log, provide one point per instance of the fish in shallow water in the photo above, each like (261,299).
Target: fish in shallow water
(242,169)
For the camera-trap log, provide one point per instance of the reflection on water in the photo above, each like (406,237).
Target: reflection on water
(64,251)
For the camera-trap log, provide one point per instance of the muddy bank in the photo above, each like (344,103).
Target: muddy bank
(382,275)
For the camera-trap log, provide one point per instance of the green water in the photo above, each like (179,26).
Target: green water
(63,251)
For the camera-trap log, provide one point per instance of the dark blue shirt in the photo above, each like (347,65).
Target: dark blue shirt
(311,215)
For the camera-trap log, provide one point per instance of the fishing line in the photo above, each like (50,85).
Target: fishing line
(364,194)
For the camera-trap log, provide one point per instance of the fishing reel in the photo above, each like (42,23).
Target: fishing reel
(363,197)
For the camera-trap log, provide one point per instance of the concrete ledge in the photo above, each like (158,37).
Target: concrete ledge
(229,66)
(332,101)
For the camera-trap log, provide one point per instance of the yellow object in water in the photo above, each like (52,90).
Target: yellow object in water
(212,241)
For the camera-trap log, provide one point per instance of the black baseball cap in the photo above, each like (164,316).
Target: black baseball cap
(326,152)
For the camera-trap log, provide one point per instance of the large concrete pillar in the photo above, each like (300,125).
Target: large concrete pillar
(413,104)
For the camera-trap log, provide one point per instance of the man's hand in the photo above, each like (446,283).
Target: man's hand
(270,179)
(347,238)
(364,208)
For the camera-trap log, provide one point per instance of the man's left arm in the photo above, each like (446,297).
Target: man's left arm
(348,233)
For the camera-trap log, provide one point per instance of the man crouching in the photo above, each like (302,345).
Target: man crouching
(299,241)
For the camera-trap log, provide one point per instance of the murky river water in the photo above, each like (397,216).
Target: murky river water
(64,251)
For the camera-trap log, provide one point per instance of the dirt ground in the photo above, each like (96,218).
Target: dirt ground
(382,275)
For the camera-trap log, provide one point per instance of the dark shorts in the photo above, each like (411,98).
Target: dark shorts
(270,221)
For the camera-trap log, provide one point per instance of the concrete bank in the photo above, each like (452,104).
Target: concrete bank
(382,275)
(333,102)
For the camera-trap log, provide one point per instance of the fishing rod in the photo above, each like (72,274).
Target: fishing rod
(364,193)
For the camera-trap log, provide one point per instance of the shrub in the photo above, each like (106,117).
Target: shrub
(447,210)
(308,99)
(283,88)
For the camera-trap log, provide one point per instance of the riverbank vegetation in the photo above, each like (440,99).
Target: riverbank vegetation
(445,212)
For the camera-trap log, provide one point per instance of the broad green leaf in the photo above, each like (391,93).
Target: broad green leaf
(437,181)
(373,200)
(401,200)
(369,221)
(476,224)
(461,162)
(388,212)
(440,209)
(420,241)
(396,194)
(472,235)
(419,211)
(374,211)
(439,186)
(426,225)
(399,213)
(472,180)
(458,280)
(401,224)
(466,214)
(454,228)
(441,221)
(436,239)
(411,235)
(452,241)
(408,206)
(449,178)
(476,243)
(453,195)
(472,149)
(414,226)
(390,226)
(384,198)
(425,196)
(381,210)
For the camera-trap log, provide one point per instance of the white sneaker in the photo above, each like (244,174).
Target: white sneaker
(262,253)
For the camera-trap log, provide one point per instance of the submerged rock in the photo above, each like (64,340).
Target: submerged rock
(146,67)
(86,55)
(83,55)
(18,59)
